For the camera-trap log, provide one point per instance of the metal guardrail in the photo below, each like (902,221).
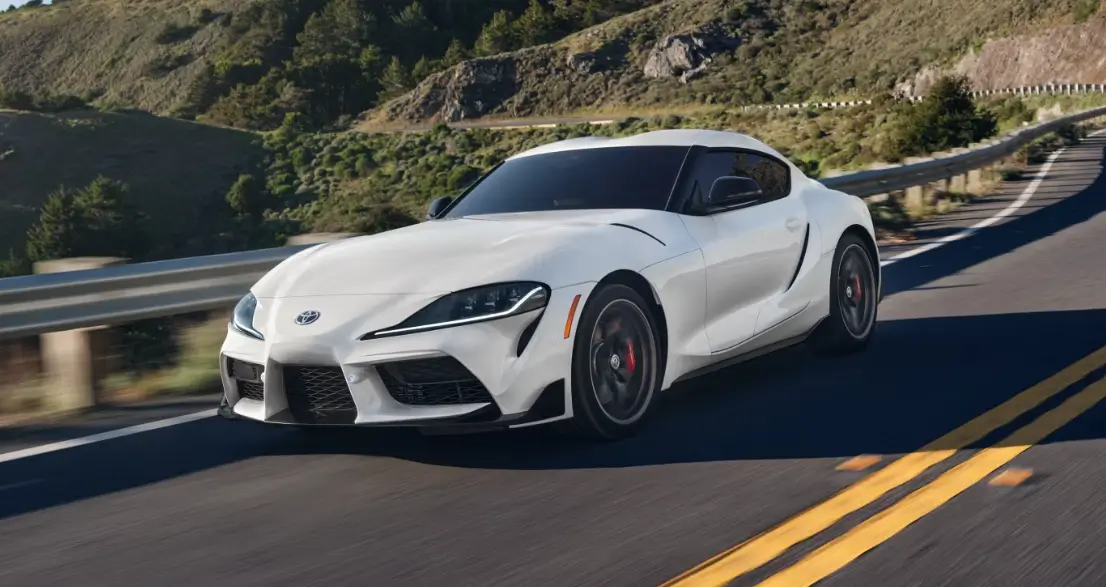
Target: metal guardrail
(34,304)
(881,181)
(51,302)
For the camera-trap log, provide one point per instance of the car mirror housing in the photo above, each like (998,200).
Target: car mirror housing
(734,191)
(437,206)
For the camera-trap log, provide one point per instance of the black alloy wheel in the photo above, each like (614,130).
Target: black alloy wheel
(617,369)
(853,298)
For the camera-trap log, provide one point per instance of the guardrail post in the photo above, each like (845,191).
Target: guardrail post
(915,199)
(75,361)
(314,238)
(958,184)
(975,181)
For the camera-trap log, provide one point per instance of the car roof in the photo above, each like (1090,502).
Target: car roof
(684,137)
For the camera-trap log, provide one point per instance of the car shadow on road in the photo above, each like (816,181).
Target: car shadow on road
(924,378)
(919,379)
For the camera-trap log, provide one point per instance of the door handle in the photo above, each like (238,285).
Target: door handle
(793,224)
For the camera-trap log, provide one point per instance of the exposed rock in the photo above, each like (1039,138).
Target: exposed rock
(469,90)
(1066,54)
(688,53)
(582,63)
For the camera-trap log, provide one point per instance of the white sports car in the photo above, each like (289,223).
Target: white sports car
(571,284)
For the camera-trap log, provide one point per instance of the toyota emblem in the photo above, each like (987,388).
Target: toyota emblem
(308,317)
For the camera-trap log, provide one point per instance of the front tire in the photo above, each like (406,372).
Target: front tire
(854,299)
(616,365)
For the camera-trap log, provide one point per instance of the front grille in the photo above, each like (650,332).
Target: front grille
(432,382)
(319,394)
(248,385)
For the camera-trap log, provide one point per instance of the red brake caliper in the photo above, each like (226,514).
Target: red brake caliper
(631,361)
(857,279)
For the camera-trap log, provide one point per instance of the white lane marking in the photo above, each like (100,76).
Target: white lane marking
(75,442)
(102,436)
(1024,198)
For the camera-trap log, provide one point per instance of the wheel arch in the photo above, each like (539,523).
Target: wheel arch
(645,289)
(871,248)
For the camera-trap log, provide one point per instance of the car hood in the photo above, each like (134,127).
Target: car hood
(448,255)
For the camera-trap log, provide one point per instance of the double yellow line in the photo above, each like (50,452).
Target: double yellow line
(839,552)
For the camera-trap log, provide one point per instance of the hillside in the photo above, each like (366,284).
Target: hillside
(178,172)
(683,53)
(135,54)
(257,64)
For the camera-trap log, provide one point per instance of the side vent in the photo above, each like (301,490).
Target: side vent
(802,255)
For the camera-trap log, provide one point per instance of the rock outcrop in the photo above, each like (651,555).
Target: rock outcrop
(687,55)
(1066,54)
(470,90)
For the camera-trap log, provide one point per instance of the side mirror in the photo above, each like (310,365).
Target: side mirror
(732,191)
(437,206)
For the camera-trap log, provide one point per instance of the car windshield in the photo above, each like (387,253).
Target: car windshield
(577,179)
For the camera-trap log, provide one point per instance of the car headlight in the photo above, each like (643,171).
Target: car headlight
(479,304)
(242,319)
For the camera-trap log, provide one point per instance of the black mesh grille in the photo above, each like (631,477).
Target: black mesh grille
(319,393)
(248,387)
(251,390)
(432,382)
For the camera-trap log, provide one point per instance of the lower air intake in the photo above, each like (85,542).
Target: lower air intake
(245,376)
(440,381)
(319,395)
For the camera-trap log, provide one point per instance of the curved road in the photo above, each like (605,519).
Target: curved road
(965,328)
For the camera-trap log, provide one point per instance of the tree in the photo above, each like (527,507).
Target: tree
(413,32)
(536,25)
(947,118)
(455,53)
(97,220)
(340,29)
(497,36)
(52,237)
(246,197)
(394,79)
(422,68)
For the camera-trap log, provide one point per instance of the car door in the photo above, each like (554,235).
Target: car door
(751,251)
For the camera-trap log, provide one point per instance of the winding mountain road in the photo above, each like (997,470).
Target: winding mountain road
(743,462)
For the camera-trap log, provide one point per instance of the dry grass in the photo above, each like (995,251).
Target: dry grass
(111,48)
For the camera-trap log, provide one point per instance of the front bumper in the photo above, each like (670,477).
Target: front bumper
(470,375)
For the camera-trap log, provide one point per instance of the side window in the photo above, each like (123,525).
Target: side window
(708,168)
(774,177)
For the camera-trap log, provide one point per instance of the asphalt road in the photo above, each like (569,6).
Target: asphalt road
(964,328)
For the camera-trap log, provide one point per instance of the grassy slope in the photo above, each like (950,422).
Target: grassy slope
(793,50)
(179,171)
(80,46)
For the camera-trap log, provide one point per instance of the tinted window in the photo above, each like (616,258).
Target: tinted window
(774,177)
(606,177)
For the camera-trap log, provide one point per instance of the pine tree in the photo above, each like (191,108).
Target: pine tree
(53,235)
(455,53)
(423,67)
(497,36)
(394,79)
(535,26)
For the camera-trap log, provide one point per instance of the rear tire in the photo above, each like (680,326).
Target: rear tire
(616,365)
(854,300)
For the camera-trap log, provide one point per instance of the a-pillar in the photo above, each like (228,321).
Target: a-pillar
(75,361)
